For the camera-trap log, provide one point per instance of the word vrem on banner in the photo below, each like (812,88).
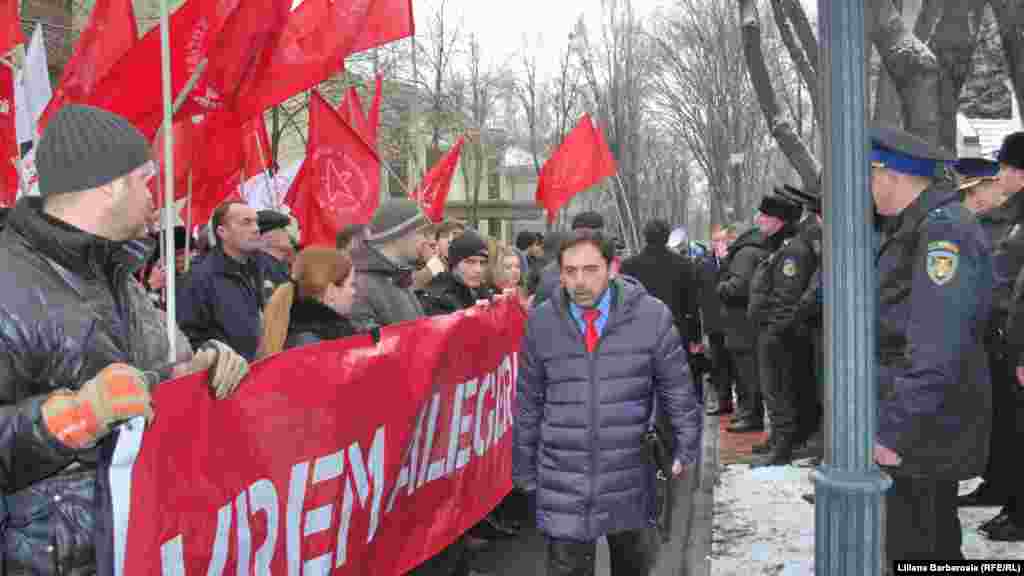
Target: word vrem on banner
(480,416)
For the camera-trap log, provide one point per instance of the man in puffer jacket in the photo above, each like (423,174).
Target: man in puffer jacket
(595,359)
(80,342)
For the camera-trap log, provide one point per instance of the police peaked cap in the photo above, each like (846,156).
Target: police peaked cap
(1011,152)
(974,171)
(809,201)
(780,207)
(269,220)
(903,152)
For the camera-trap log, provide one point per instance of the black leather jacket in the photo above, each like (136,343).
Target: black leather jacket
(70,306)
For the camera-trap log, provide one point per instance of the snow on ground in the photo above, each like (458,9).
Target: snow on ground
(762,526)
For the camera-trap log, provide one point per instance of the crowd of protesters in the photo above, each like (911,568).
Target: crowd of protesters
(612,367)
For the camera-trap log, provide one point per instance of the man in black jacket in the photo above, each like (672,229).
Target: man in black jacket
(712,315)
(740,333)
(224,297)
(80,342)
(668,277)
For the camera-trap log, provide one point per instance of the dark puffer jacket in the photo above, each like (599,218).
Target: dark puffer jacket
(447,294)
(734,288)
(70,306)
(582,417)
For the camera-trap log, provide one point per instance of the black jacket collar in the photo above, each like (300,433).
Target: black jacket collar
(76,250)
(312,316)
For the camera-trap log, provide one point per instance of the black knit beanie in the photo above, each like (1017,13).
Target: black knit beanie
(780,208)
(465,246)
(85,147)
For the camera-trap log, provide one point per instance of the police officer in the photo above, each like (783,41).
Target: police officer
(740,333)
(1003,224)
(935,397)
(807,317)
(979,184)
(778,284)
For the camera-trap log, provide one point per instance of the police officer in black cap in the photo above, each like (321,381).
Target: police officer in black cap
(807,317)
(935,289)
(777,285)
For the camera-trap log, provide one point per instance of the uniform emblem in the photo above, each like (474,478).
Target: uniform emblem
(789,267)
(943,258)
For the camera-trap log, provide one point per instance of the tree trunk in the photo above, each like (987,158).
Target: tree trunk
(780,127)
(912,66)
(1010,15)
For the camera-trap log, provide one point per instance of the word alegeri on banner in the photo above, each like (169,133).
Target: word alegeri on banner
(346,457)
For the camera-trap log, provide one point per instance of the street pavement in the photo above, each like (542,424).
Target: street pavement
(526,556)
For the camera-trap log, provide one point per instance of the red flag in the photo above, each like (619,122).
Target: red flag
(339,181)
(8,139)
(581,161)
(355,115)
(226,33)
(109,35)
(183,132)
(317,37)
(256,147)
(10,26)
(373,121)
(432,193)
(210,194)
(242,45)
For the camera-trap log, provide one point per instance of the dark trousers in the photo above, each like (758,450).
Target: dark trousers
(1004,444)
(722,369)
(806,378)
(631,553)
(775,369)
(748,388)
(921,521)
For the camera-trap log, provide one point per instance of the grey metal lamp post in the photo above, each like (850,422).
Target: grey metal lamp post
(848,486)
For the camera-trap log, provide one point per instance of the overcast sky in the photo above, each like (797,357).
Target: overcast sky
(502,25)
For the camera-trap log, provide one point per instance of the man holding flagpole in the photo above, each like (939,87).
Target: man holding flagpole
(80,342)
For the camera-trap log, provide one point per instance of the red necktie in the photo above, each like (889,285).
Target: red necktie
(590,316)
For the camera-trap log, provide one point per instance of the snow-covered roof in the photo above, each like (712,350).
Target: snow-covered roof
(516,156)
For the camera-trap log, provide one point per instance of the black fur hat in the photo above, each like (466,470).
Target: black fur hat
(1011,152)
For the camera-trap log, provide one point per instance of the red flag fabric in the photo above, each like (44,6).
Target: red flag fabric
(581,161)
(318,479)
(256,147)
(208,194)
(183,133)
(318,35)
(373,121)
(339,181)
(228,34)
(10,26)
(109,35)
(432,193)
(8,139)
(241,47)
(356,116)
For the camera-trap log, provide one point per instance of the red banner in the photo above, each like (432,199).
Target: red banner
(347,457)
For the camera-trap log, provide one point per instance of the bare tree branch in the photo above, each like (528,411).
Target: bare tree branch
(780,127)
(797,53)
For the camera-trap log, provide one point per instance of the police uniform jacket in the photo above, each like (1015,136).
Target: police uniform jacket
(935,285)
(779,283)
(734,288)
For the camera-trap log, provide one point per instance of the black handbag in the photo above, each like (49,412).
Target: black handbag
(659,457)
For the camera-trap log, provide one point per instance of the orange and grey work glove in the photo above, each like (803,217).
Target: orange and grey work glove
(79,419)
(227,367)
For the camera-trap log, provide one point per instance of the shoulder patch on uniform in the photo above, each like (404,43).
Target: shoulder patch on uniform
(942,260)
(789,267)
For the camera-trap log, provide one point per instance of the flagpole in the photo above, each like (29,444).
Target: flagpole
(168,105)
(188,224)
(266,172)
(632,224)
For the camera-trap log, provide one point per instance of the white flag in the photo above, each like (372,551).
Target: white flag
(37,78)
(265,193)
(22,120)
